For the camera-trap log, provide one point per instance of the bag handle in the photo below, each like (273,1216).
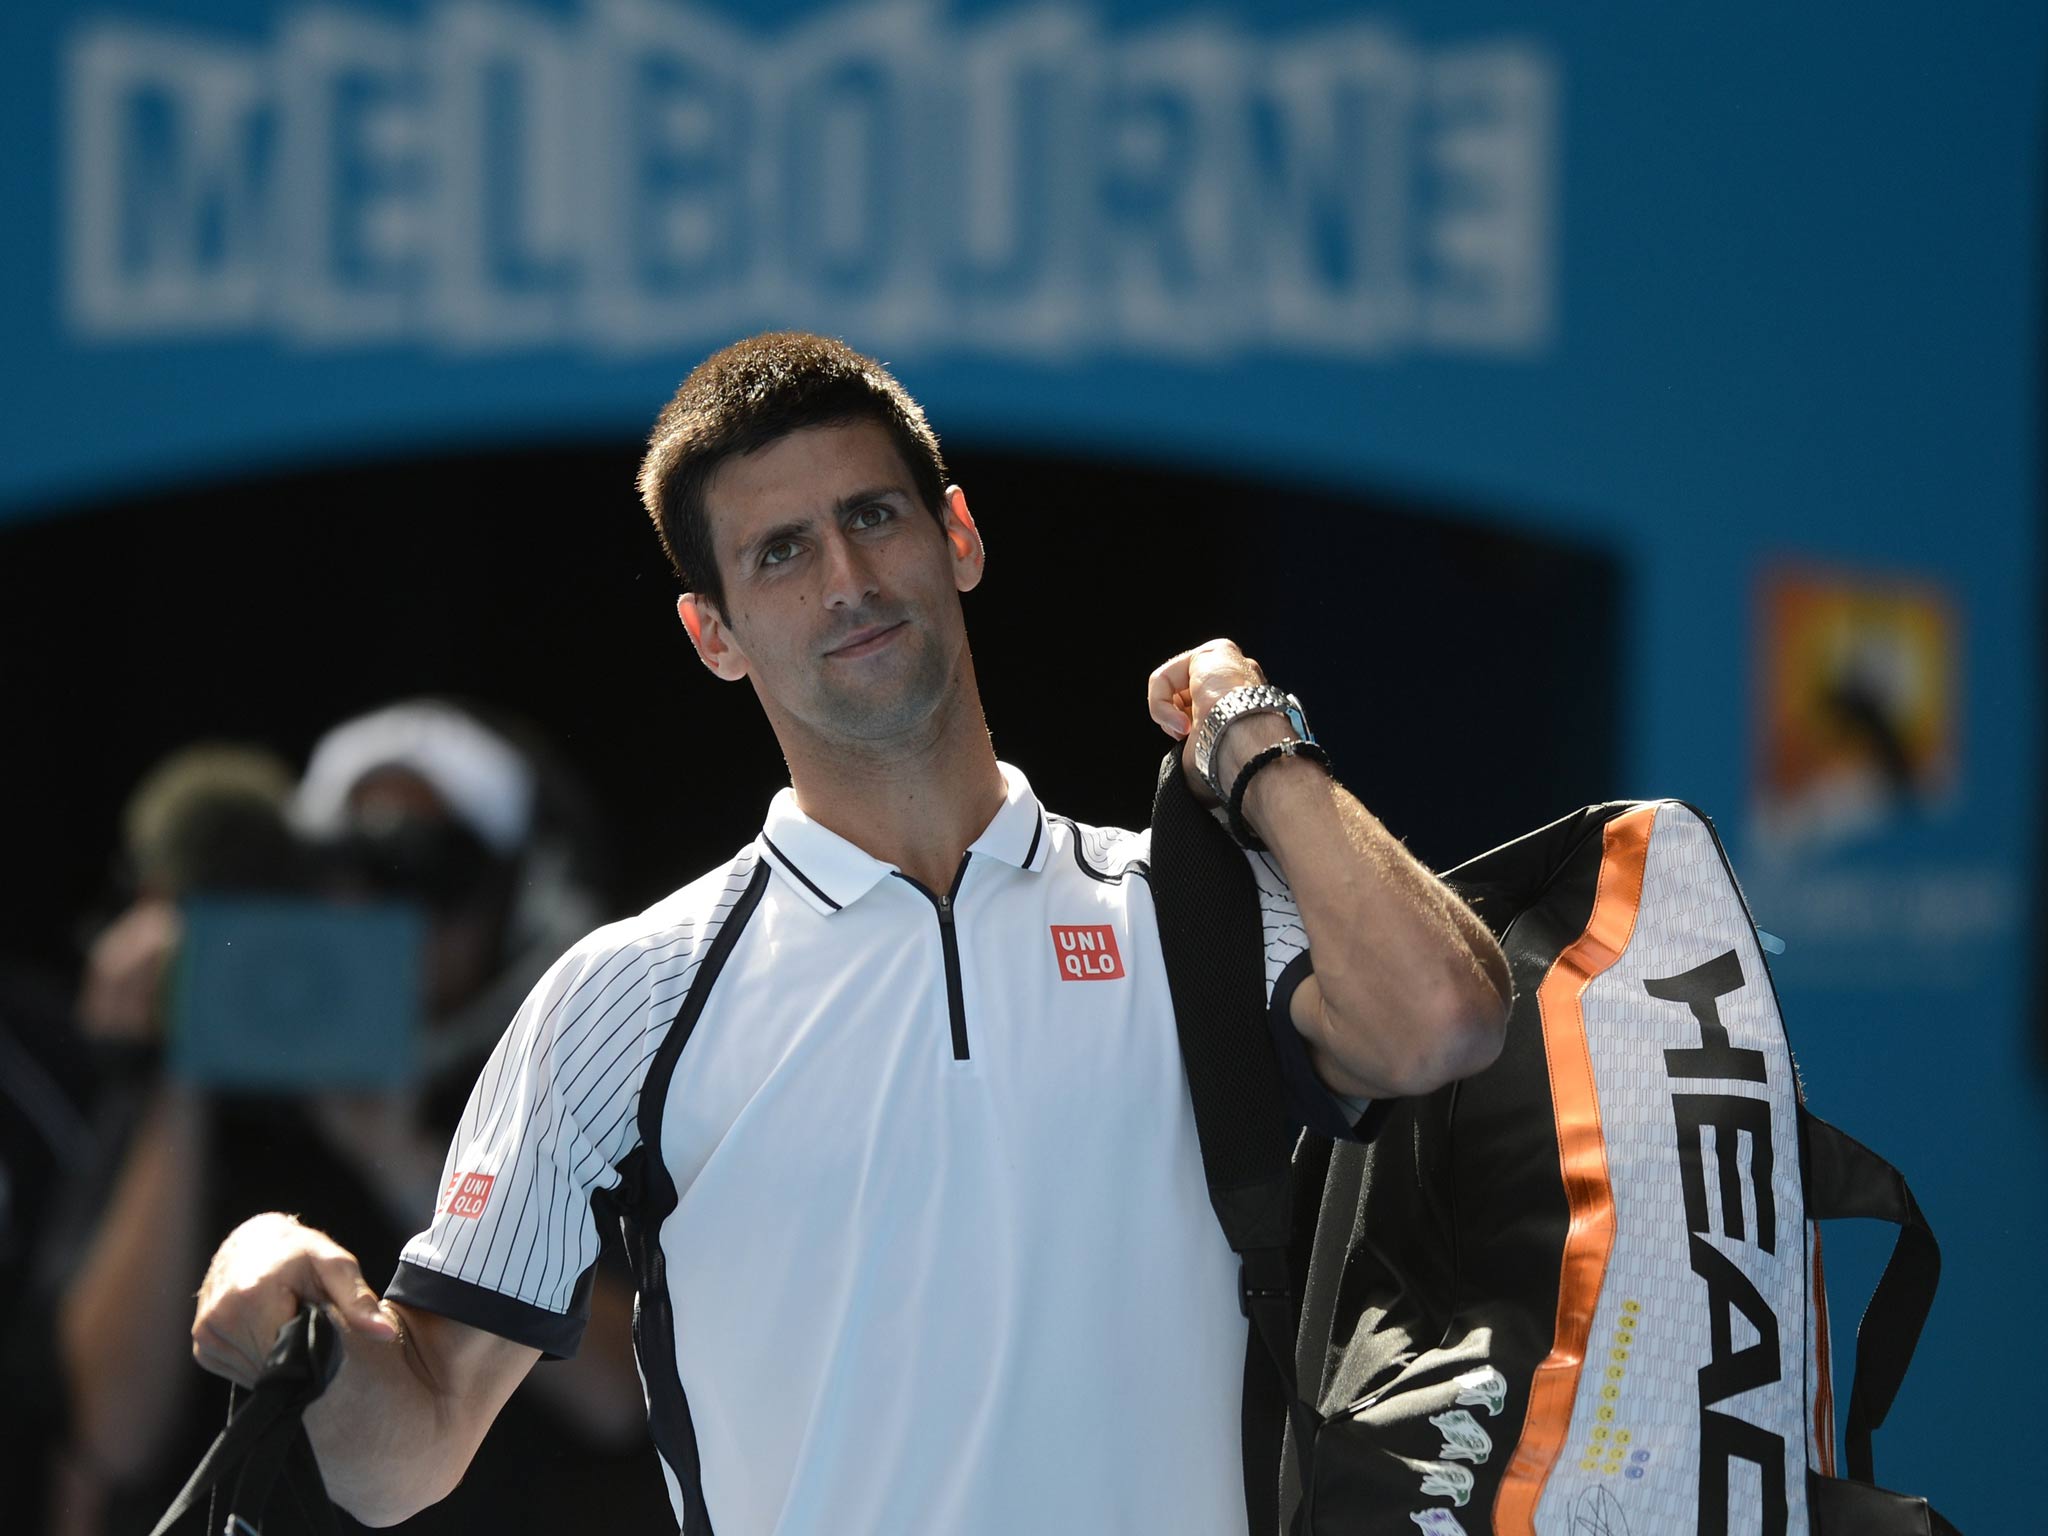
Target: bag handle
(1845,1178)
(1836,1506)
(264,1437)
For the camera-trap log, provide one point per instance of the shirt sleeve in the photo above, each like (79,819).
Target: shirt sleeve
(513,1239)
(1288,963)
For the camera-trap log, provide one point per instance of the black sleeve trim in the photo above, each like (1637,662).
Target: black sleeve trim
(1309,1099)
(554,1334)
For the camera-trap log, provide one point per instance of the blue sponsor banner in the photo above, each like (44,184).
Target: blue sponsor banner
(1749,296)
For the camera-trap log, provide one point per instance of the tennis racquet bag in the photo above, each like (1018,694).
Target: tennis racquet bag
(1581,1291)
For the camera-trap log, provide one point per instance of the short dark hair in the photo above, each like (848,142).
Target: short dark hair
(748,395)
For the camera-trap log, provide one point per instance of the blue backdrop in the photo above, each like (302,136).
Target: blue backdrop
(1748,295)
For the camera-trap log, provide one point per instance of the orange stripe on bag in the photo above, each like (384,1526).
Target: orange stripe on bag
(1582,1155)
(1823,1347)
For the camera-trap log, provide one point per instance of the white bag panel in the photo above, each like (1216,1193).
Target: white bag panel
(1632,1459)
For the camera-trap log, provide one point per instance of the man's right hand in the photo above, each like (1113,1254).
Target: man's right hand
(266,1270)
(417,1391)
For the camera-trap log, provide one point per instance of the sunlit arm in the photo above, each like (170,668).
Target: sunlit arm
(415,1394)
(1410,990)
(400,1424)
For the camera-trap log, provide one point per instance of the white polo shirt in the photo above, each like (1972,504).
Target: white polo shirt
(909,1180)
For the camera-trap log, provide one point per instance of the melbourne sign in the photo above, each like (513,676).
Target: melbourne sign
(627,175)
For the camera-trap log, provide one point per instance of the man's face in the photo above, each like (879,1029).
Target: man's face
(841,591)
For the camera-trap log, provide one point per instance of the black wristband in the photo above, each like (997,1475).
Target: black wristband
(1293,746)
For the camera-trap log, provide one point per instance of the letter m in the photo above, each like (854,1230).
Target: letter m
(165,136)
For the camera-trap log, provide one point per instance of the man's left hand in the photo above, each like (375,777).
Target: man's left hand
(1181,692)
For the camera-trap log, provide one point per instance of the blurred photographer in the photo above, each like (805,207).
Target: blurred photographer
(319,1043)
(208,819)
(424,801)
(78,1070)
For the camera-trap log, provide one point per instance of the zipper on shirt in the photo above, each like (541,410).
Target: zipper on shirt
(949,942)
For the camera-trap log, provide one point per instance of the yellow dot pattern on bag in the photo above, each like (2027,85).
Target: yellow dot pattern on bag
(1607,1448)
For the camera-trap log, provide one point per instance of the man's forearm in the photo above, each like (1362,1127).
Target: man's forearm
(387,1444)
(415,1393)
(1410,988)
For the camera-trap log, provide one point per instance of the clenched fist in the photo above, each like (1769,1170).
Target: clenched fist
(267,1268)
(1181,692)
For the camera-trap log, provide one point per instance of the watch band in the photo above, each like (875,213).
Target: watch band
(1248,699)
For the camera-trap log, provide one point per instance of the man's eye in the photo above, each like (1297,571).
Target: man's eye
(779,551)
(872,516)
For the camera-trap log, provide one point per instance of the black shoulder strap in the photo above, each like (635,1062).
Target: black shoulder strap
(1209,932)
(264,1438)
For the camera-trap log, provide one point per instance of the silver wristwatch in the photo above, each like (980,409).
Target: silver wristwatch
(1251,699)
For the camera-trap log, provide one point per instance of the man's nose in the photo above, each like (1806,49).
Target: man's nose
(849,580)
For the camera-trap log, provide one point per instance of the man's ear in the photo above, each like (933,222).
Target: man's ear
(963,539)
(715,645)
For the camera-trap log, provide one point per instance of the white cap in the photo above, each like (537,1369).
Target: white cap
(487,784)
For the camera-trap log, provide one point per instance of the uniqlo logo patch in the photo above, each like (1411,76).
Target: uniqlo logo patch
(467,1194)
(1086,952)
